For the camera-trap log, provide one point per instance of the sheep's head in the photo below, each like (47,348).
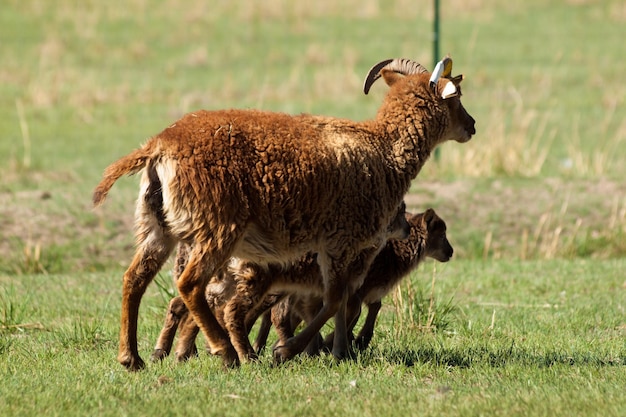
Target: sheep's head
(441,84)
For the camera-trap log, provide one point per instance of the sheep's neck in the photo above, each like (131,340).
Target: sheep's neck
(412,143)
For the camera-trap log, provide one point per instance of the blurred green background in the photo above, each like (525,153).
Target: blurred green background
(83,83)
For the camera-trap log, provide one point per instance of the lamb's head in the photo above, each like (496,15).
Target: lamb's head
(434,229)
(439,91)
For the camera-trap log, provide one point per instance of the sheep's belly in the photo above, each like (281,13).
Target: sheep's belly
(264,247)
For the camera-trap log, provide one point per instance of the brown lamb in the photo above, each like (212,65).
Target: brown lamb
(427,238)
(397,259)
(270,187)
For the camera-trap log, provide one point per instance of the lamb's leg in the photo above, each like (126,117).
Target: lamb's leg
(150,256)
(263,310)
(264,330)
(367,331)
(250,292)
(204,263)
(176,313)
(235,313)
(306,308)
(297,344)
(186,346)
(335,297)
(283,320)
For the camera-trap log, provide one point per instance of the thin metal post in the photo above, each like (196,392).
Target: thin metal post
(436,50)
(436,34)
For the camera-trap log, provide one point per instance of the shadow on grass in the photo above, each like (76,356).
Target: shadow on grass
(472,356)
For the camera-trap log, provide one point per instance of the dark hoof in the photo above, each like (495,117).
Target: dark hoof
(361,343)
(344,355)
(133,364)
(282,354)
(230,358)
(258,350)
(186,355)
(158,355)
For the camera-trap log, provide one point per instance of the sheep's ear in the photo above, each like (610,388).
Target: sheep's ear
(449,87)
(457,80)
(446,89)
(391,77)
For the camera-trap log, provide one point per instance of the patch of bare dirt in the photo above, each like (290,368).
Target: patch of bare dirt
(508,212)
(501,214)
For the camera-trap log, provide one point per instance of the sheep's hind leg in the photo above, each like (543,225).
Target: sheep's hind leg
(202,265)
(149,258)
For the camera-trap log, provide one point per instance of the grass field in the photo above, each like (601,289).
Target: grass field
(530,314)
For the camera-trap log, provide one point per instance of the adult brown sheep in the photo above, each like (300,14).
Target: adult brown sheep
(270,187)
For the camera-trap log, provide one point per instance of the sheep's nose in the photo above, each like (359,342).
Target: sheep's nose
(472,126)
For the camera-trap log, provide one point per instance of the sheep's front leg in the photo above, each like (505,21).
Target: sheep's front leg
(148,260)
(353,279)
(192,285)
(353,311)
(340,343)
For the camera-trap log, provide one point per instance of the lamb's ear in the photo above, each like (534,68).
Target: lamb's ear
(391,77)
(429,216)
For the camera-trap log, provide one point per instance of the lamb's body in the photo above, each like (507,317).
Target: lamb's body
(395,261)
(270,187)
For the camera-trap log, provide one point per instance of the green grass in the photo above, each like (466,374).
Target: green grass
(528,317)
(528,338)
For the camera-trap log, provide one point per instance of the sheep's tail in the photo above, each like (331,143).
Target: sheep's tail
(127,165)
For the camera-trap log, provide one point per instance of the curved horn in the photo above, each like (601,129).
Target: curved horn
(401,65)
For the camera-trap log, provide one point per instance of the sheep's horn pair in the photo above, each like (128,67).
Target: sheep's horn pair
(401,65)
